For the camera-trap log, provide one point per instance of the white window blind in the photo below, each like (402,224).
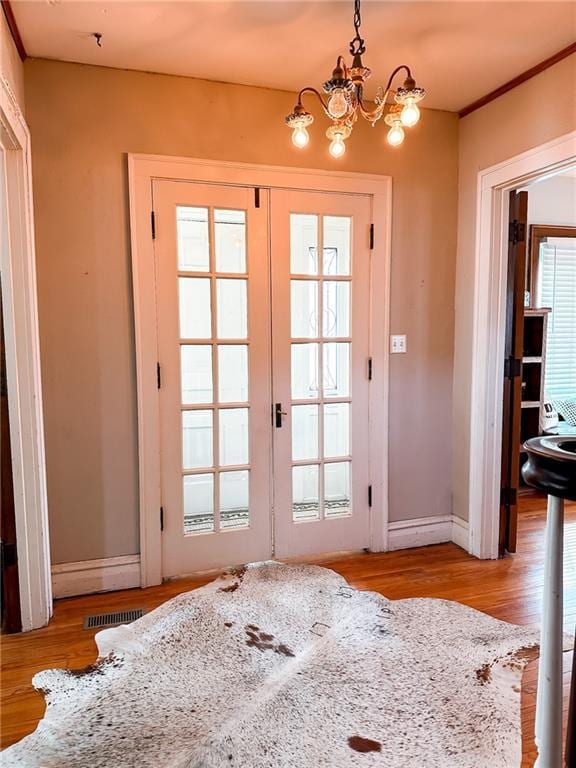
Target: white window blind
(557,289)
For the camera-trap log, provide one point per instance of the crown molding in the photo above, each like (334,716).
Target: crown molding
(13,27)
(518,80)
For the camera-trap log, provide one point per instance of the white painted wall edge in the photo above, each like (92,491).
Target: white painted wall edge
(18,268)
(89,576)
(461,533)
(423,531)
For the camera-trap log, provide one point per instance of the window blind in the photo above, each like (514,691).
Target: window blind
(557,289)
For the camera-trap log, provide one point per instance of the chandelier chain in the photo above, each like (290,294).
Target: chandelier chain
(357,45)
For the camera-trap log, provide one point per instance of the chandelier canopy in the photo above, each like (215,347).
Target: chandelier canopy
(344,100)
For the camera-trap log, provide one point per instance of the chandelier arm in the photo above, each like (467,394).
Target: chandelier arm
(309,89)
(394,73)
(372,115)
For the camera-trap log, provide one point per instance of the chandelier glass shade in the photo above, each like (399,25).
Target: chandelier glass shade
(344,101)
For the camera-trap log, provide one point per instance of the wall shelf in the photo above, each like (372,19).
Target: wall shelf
(533,367)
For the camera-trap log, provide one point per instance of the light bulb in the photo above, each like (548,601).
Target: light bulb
(410,114)
(395,135)
(337,147)
(337,103)
(300,137)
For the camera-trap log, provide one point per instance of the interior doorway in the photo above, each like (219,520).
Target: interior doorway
(489,338)
(22,356)
(9,584)
(266,423)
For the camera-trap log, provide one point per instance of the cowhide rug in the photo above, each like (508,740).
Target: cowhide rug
(286,666)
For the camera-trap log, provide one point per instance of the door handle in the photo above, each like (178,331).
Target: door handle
(278,413)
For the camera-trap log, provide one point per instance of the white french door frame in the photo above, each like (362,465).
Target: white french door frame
(19,300)
(487,374)
(142,171)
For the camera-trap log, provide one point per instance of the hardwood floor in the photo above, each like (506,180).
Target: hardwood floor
(508,589)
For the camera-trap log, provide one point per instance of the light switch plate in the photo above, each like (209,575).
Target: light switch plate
(397,344)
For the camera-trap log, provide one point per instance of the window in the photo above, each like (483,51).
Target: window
(556,288)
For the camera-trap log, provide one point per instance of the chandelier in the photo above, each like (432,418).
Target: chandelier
(344,101)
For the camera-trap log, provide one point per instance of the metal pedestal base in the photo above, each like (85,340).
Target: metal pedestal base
(549,696)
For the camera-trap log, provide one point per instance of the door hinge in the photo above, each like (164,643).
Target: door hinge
(158,375)
(369,495)
(371,237)
(508,496)
(370,369)
(516,232)
(256,197)
(161,519)
(512,367)
(153,224)
(8,554)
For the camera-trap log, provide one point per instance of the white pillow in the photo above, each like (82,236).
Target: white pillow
(567,409)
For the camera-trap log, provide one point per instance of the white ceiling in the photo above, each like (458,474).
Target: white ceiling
(458,51)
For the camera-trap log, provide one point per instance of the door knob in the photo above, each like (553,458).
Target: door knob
(278,413)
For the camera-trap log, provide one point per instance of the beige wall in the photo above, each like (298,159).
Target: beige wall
(537,111)
(10,65)
(83,121)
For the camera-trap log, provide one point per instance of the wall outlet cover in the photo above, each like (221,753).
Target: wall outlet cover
(397,344)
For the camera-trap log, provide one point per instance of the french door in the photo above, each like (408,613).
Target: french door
(320,322)
(263,347)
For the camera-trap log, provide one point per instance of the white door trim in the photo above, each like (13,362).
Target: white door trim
(18,269)
(491,256)
(142,169)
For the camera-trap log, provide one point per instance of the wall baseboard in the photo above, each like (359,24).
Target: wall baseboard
(423,531)
(89,576)
(461,533)
(419,532)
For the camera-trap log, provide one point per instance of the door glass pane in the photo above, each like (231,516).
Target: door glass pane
(304,308)
(230,237)
(232,373)
(337,489)
(198,493)
(193,241)
(336,245)
(336,364)
(195,317)
(336,429)
(197,439)
(336,308)
(234,500)
(233,436)
(196,373)
(232,309)
(304,432)
(304,371)
(305,505)
(303,244)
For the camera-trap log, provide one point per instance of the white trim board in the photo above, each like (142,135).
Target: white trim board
(423,531)
(142,170)
(88,576)
(460,532)
(491,260)
(18,269)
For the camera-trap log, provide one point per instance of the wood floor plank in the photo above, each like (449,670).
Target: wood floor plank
(508,589)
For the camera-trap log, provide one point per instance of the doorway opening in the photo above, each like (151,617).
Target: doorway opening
(540,391)
(492,359)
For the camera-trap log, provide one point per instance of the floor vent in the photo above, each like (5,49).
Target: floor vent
(113,619)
